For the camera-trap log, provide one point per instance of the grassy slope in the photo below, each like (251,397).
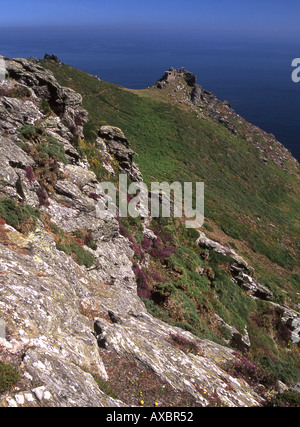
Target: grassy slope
(250,205)
(245,198)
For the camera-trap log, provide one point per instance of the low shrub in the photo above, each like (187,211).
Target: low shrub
(78,253)
(20,216)
(144,289)
(9,376)
(45,107)
(250,372)
(285,371)
(69,244)
(30,132)
(53,148)
(45,145)
(287,399)
(185,345)
(20,92)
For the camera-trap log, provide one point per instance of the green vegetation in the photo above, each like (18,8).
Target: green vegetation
(285,371)
(71,245)
(20,216)
(287,399)
(47,152)
(45,145)
(105,387)
(16,91)
(30,132)
(247,199)
(9,376)
(81,256)
(186,286)
(46,109)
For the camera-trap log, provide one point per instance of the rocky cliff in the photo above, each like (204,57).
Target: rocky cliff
(76,331)
(185,90)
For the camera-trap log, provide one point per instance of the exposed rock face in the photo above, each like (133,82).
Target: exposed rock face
(64,101)
(112,140)
(291,320)
(246,282)
(237,339)
(55,304)
(242,275)
(60,317)
(52,57)
(182,87)
(44,291)
(204,242)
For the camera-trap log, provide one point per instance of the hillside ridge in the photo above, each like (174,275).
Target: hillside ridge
(86,299)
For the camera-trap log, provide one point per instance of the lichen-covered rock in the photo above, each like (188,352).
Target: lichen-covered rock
(12,157)
(217,247)
(148,339)
(64,101)
(55,304)
(119,147)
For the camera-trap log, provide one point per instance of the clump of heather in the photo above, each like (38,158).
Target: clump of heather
(253,374)
(184,345)
(156,276)
(146,244)
(29,174)
(43,197)
(144,289)
(138,252)
(160,248)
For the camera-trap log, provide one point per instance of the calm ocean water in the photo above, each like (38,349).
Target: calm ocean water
(254,75)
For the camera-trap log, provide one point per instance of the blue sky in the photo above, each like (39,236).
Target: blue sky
(279,17)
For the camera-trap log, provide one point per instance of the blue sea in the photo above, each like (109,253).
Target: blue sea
(254,74)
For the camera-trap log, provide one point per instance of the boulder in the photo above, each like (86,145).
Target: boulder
(118,146)
(246,282)
(206,243)
(52,57)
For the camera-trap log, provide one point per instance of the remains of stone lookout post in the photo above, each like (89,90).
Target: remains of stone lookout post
(171,74)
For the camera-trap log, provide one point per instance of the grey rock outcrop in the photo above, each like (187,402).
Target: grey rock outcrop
(242,275)
(64,101)
(118,146)
(52,57)
(238,340)
(291,320)
(242,278)
(240,270)
(182,87)
(217,247)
